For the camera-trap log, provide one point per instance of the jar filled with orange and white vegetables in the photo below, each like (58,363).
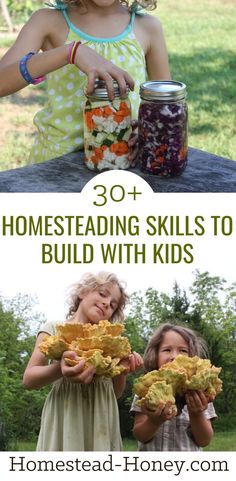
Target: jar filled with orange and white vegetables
(107,128)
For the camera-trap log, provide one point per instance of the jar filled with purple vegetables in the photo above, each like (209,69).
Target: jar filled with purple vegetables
(162,126)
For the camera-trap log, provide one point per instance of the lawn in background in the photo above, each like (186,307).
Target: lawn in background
(222,441)
(201,41)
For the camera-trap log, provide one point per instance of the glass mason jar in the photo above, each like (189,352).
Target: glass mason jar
(162,126)
(107,128)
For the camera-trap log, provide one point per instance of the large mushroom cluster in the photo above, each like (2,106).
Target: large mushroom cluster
(174,379)
(100,345)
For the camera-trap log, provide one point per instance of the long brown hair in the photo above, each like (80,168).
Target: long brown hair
(197,346)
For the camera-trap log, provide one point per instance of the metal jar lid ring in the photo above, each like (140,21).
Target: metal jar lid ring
(163,90)
(100,90)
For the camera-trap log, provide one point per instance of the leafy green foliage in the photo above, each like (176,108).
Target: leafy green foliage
(209,310)
(22,9)
(19,409)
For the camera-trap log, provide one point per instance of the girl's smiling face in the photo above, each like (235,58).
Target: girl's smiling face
(171,345)
(99,304)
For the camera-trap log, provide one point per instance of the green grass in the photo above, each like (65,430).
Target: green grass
(6,42)
(222,441)
(130,444)
(201,44)
(16,125)
(202,50)
(225,441)
(23,446)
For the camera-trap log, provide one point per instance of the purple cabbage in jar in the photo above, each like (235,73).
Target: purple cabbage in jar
(163,135)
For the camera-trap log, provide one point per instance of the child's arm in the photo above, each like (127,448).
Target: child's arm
(201,427)
(119,383)
(34,36)
(151,37)
(37,35)
(147,423)
(131,363)
(38,372)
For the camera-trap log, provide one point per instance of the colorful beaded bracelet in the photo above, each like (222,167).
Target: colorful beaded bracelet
(25,73)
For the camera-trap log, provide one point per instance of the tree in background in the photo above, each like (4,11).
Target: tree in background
(6,15)
(19,409)
(18,11)
(210,311)
(214,316)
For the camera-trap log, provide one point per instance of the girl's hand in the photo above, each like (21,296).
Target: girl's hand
(76,373)
(132,363)
(133,143)
(95,66)
(196,401)
(164,412)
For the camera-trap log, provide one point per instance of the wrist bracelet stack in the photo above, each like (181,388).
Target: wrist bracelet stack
(72,52)
(23,63)
(25,73)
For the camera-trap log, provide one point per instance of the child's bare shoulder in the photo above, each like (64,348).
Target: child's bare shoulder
(148,29)
(46,15)
(149,23)
(48,23)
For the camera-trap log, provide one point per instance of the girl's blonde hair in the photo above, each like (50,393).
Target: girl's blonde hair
(197,346)
(90,282)
(132,4)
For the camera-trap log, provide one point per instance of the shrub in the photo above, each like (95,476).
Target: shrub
(22,9)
